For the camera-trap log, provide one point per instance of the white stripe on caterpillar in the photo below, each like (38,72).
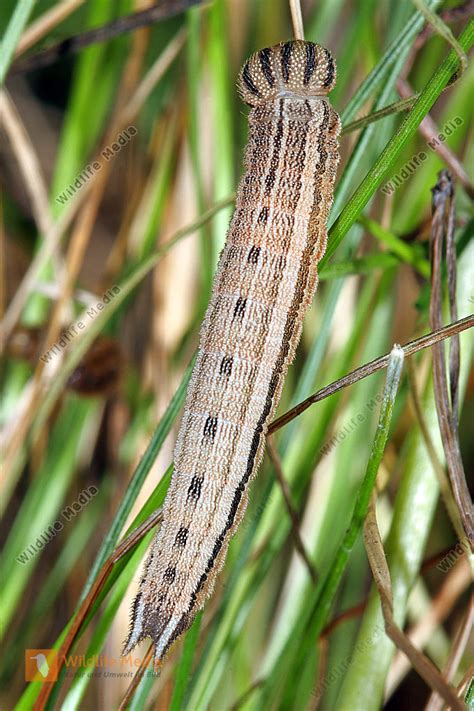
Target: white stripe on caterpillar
(265,281)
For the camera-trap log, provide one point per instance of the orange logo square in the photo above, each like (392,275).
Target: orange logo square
(41,665)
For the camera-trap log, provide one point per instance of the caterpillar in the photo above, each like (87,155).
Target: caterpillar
(264,284)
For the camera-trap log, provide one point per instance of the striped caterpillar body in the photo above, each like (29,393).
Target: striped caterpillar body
(265,281)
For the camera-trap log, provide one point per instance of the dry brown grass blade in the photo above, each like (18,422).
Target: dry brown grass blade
(435,702)
(2,269)
(349,614)
(454,346)
(77,246)
(323,645)
(129,105)
(27,160)
(442,603)
(122,549)
(438,468)
(71,45)
(442,227)
(467,681)
(377,364)
(295,520)
(45,23)
(46,251)
(457,581)
(297,19)
(53,238)
(378,564)
(136,679)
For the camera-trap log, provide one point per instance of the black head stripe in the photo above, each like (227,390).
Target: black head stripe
(331,70)
(310,62)
(285,54)
(264,56)
(248,81)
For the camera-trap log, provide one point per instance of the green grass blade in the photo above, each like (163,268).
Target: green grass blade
(323,606)
(379,72)
(327,589)
(138,478)
(154,502)
(224,179)
(12,35)
(184,668)
(38,512)
(408,253)
(389,155)
(363,685)
(69,557)
(75,695)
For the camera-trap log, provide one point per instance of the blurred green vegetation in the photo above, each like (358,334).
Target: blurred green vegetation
(258,641)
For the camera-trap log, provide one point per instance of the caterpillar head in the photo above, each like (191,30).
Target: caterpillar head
(291,68)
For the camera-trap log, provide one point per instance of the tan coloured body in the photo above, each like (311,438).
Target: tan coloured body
(266,279)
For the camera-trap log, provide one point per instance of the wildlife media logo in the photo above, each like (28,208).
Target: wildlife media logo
(41,665)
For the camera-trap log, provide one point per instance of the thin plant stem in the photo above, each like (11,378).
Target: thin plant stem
(136,679)
(326,597)
(125,547)
(12,35)
(71,45)
(297,19)
(369,368)
(380,571)
(295,521)
(442,29)
(46,23)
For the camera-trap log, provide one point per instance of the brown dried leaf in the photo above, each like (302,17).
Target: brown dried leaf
(378,563)
(443,224)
